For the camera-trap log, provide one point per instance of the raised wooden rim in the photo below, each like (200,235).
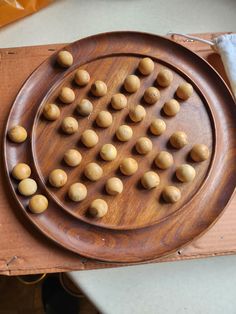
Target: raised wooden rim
(95,223)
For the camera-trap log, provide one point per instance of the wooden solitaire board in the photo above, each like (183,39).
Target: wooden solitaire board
(152,247)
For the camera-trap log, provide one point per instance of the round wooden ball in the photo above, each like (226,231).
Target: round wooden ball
(84,107)
(82,77)
(67,95)
(93,171)
(157,127)
(128,166)
(150,180)
(77,192)
(72,157)
(57,178)
(99,88)
(179,139)
(143,145)
(21,171)
(89,138)
(27,187)
(114,186)
(171,107)
(98,208)
(132,83)
(64,59)
(51,112)
(171,194)
(118,101)
(137,113)
(104,119)
(185,173)
(151,95)
(199,152)
(17,134)
(38,204)
(108,152)
(164,78)
(124,133)
(164,160)
(146,66)
(184,91)
(69,125)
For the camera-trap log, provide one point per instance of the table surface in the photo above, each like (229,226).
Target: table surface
(204,286)
(199,286)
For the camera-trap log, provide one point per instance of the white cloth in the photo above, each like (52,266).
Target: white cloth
(225,45)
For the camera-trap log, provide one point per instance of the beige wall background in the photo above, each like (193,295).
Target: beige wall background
(69,20)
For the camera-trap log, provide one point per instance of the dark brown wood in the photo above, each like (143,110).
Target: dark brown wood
(145,208)
(207,118)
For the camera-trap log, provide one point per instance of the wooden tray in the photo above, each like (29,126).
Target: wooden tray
(155,229)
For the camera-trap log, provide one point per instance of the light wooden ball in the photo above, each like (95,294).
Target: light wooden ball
(132,83)
(171,194)
(84,107)
(179,139)
(108,152)
(77,192)
(143,145)
(146,66)
(199,152)
(124,133)
(89,138)
(64,59)
(98,208)
(151,95)
(93,171)
(164,78)
(82,77)
(164,160)
(27,187)
(69,125)
(21,171)
(150,180)
(67,95)
(17,134)
(119,101)
(157,127)
(184,91)
(104,119)
(114,186)
(72,157)
(99,88)
(51,112)
(128,166)
(38,204)
(185,173)
(171,107)
(57,178)
(137,114)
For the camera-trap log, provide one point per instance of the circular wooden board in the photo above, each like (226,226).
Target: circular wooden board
(139,225)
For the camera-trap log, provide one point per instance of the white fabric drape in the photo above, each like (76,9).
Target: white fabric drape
(225,45)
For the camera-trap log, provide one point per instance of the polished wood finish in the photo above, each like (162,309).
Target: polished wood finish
(166,227)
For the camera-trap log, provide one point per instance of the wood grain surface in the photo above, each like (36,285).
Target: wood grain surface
(135,207)
(150,229)
(24,249)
